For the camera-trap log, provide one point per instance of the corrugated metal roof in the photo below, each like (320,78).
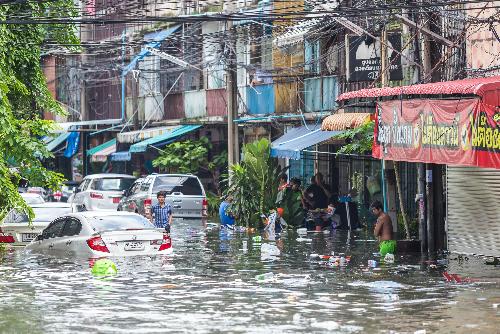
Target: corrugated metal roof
(477,86)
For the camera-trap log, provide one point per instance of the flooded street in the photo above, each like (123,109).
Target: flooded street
(211,284)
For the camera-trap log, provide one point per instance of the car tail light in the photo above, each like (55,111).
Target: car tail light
(6,239)
(147,205)
(204,210)
(97,244)
(166,242)
(96,195)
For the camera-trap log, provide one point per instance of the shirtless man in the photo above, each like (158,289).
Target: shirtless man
(383,229)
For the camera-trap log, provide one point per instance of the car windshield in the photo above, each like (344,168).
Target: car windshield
(112,184)
(119,222)
(33,199)
(41,215)
(186,185)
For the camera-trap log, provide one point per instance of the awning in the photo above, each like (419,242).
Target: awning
(156,40)
(477,87)
(100,153)
(140,135)
(121,156)
(297,139)
(51,146)
(163,139)
(345,121)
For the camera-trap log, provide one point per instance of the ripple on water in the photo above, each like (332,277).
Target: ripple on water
(208,285)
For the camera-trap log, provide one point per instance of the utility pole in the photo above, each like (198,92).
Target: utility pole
(425,216)
(232,101)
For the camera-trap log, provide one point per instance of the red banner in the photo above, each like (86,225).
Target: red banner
(450,132)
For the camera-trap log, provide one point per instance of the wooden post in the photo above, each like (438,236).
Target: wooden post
(232,104)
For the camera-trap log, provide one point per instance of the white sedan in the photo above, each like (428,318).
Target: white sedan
(102,233)
(16,224)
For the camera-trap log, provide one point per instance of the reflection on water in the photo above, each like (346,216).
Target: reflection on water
(216,283)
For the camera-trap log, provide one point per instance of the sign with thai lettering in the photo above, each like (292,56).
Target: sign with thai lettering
(365,62)
(451,132)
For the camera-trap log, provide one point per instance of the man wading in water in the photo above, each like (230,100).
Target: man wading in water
(383,230)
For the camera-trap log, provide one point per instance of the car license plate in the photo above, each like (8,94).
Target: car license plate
(116,200)
(27,237)
(134,246)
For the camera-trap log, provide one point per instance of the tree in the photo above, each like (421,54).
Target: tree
(24,96)
(254,182)
(191,156)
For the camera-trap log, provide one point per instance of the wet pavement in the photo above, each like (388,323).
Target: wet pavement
(214,284)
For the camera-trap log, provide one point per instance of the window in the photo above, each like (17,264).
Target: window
(119,222)
(83,185)
(135,188)
(45,214)
(112,184)
(54,229)
(178,184)
(72,227)
(145,185)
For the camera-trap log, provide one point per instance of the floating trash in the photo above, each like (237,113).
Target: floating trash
(389,258)
(104,267)
(264,277)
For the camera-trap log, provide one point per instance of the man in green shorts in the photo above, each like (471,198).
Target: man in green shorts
(383,230)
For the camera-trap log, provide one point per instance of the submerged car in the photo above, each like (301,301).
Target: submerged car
(101,191)
(102,233)
(16,224)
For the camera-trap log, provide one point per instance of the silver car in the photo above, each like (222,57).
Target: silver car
(94,234)
(185,194)
(17,224)
(101,192)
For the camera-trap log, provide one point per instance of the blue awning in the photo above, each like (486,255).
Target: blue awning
(297,139)
(163,139)
(155,41)
(121,156)
(57,141)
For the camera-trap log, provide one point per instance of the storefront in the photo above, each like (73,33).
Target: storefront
(462,133)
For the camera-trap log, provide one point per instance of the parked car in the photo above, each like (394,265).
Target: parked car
(64,194)
(38,190)
(185,194)
(102,233)
(31,198)
(101,191)
(17,224)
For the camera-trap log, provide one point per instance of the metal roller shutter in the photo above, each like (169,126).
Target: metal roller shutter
(473,210)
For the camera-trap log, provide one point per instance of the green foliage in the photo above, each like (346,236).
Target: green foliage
(24,95)
(412,227)
(254,183)
(214,202)
(293,213)
(184,156)
(358,140)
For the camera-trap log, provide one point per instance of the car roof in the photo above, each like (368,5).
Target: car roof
(106,175)
(51,205)
(105,213)
(30,195)
(176,175)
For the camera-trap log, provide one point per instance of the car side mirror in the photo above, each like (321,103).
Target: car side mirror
(125,193)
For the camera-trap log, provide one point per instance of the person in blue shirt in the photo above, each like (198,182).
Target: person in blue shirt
(162,212)
(226,218)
